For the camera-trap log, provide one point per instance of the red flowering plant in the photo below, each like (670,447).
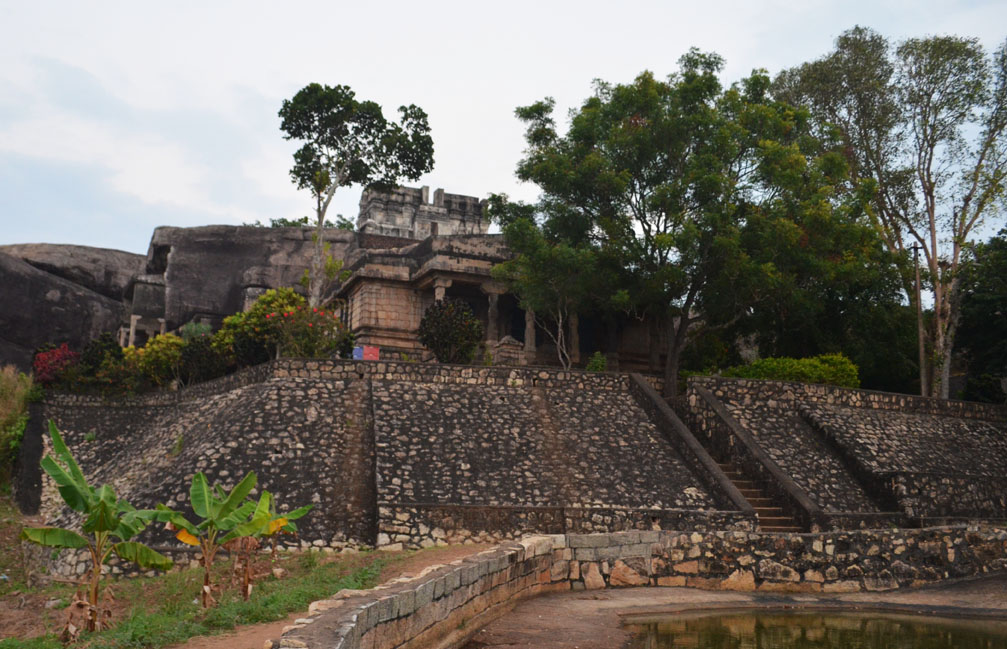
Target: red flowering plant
(305,332)
(55,365)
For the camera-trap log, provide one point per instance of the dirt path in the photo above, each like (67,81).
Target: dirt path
(254,636)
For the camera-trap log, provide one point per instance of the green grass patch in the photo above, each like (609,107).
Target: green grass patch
(167,612)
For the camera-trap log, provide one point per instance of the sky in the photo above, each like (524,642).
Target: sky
(118,117)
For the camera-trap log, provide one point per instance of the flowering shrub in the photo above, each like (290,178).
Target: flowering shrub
(53,366)
(310,333)
(249,338)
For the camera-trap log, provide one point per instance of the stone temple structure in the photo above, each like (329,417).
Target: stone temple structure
(409,250)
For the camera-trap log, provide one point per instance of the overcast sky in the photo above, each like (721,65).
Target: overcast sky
(117,117)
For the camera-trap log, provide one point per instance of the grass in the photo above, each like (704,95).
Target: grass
(15,391)
(164,610)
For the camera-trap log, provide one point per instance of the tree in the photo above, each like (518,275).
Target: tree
(983,333)
(550,276)
(106,518)
(666,175)
(346,142)
(451,331)
(925,123)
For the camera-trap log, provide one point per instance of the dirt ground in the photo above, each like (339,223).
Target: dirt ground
(593,619)
(26,615)
(400,565)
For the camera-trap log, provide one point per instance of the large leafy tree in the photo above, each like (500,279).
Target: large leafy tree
(556,271)
(925,123)
(983,333)
(347,142)
(667,175)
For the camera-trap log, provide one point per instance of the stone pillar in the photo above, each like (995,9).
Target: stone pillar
(574,338)
(440,286)
(529,337)
(164,325)
(492,319)
(133,319)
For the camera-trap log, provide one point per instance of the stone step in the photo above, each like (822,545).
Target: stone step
(780,528)
(751,493)
(746,484)
(775,520)
(768,511)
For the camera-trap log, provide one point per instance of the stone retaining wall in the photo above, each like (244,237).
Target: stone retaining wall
(445,604)
(836,456)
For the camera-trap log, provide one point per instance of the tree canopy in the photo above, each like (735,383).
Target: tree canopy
(924,122)
(716,202)
(347,142)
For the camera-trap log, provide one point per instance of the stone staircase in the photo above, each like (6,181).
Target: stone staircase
(771,517)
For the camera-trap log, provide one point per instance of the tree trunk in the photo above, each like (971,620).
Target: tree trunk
(676,343)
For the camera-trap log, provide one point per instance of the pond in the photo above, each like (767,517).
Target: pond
(806,630)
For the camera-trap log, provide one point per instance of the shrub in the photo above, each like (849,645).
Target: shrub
(451,331)
(194,330)
(16,390)
(199,361)
(832,369)
(103,349)
(249,338)
(597,363)
(54,366)
(161,358)
(311,333)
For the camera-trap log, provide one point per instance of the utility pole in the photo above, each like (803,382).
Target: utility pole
(924,383)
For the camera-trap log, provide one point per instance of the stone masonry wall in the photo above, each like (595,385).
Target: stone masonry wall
(936,466)
(443,604)
(869,452)
(435,452)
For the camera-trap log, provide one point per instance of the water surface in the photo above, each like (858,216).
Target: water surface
(817,630)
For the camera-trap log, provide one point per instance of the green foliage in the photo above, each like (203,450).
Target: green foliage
(161,359)
(676,184)
(551,277)
(100,352)
(922,123)
(249,338)
(597,363)
(982,335)
(223,516)
(164,614)
(200,361)
(105,519)
(451,331)
(16,390)
(831,369)
(346,142)
(194,331)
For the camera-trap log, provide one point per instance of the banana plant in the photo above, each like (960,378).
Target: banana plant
(278,524)
(109,523)
(223,516)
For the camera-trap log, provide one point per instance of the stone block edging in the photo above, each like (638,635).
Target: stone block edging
(444,604)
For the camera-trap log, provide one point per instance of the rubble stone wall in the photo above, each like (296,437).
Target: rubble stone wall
(442,605)
(398,453)
(856,451)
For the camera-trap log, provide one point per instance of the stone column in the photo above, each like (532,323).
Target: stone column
(133,319)
(440,286)
(164,325)
(529,337)
(492,319)
(574,338)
